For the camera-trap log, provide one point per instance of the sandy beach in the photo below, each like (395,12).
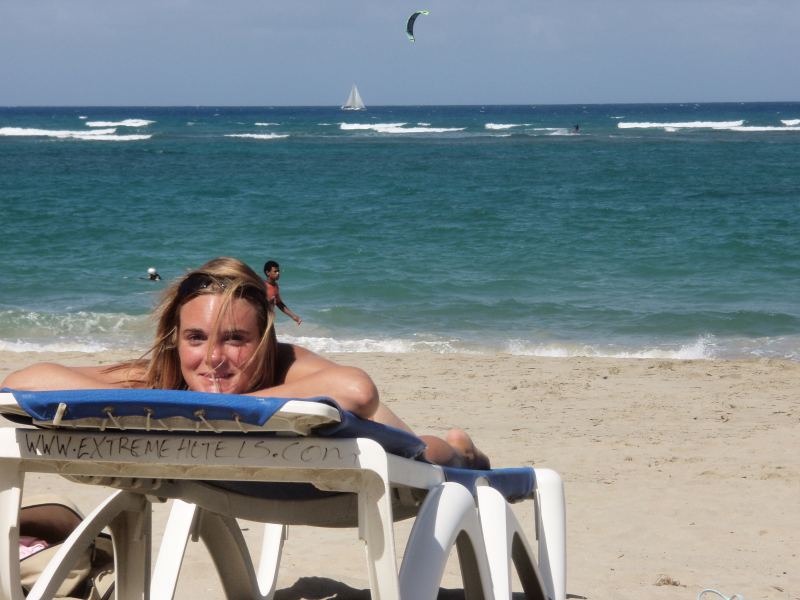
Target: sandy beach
(679,475)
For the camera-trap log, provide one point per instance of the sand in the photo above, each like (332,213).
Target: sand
(679,475)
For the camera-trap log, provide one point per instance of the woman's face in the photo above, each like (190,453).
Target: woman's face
(224,366)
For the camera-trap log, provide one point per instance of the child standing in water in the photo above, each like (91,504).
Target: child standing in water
(272,270)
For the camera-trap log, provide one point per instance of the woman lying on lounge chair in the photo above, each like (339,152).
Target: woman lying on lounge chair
(215,334)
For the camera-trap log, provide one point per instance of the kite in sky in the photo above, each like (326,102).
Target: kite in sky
(410,24)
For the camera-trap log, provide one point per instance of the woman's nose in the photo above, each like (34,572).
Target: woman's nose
(217,356)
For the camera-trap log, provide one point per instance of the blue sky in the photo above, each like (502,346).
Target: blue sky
(308,52)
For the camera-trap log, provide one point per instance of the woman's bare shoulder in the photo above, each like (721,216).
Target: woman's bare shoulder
(296,361)
(130,374)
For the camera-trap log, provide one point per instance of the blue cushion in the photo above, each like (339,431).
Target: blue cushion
(253,410)
(515,483)
(164,404)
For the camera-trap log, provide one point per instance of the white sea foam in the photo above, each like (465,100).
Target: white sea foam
(124,123)
(266,124)
(82,331)
(421,124)
(115,138)
(787,347)
(681,125)
(764,128)
(701,348)
(101,135)
(391,345)
(791,122)
(259,136)
(95,135)
(419,129)
(395,128)
(704,347)
(20,346)
(549,131)
(93,336)
(56,133)
(502,125)
(83,117)
(367,126)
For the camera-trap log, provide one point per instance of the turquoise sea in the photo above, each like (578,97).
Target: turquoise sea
(653,230)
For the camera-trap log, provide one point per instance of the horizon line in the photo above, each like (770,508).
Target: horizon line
(337,106)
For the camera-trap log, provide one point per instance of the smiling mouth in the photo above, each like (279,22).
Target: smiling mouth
(217,382)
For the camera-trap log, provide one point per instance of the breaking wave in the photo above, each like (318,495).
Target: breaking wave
(764,128)
(681,125)
(259,136)
(502,125)
(123,123)
(91,135)
(702,348)
(82,331)
(788,125)
(367,126)
(395,128)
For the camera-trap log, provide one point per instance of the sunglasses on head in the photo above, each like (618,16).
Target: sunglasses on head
(197,282)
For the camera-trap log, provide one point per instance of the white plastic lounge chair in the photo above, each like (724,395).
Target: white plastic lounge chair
(279,462)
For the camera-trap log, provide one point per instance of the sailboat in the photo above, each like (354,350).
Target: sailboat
(354,101)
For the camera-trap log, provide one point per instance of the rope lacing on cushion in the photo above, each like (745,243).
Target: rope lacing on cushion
(201,414)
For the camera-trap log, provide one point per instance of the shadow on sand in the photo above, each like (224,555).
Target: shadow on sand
(322,588)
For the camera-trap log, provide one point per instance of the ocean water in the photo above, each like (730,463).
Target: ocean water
(653,230)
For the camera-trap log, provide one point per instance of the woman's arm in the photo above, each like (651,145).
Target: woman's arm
(52,376)
(307,374)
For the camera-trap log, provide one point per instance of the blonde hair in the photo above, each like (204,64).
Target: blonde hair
(231,279)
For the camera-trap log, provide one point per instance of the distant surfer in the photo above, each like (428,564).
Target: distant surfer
(273,272)
(576,129)
(153,275)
